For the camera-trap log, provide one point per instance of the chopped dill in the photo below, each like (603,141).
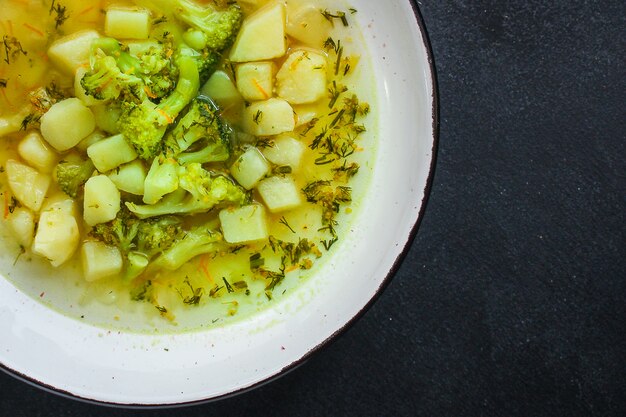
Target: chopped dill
(214,291)
(256,261)
(3,82)
(60,12)
(284,222)
(329,243)
(338,15)
(258,116)
(196,294)
(12,48)
(229,287)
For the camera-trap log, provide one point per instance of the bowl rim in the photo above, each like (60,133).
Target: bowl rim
(343,329)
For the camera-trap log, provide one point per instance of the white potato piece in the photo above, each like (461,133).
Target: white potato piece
(100,260)
(162,178)
(109,153)
(305,113)
(34,150)
(268,118)
(279,193)
(127,23)
(306,24)
(62,203)
(302,77)
(67,123)
(249,168)
(285,151)
(21,224)
(130,177)
(101,201)
(70,52)
(222,90)
(244,224)
(28,185)
(255,80)
(262,35)
(57,235)
(90,140)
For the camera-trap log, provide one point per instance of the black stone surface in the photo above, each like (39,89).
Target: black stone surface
(512,300)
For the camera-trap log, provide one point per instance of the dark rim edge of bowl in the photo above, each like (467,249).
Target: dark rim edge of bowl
(387,280)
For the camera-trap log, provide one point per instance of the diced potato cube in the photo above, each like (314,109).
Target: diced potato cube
(127,23)
(162,178)
(305,113)
(61,202)
(100,260)
(101,201)
(285,151)
(308,25)
(107,117)
(70,52)
(90,140)
(302,77)
(109,153)
(28,185)
(255,80)
(79,91)
(130,177)
(21,224)
(244,224)
(67,123)
(279,193)
(269,117)
(34,150)
(250,168)
(262,35)
(222,90)
(57,235)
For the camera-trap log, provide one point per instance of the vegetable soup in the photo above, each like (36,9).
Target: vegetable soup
(177,164)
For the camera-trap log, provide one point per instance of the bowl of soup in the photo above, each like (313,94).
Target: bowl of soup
(198,195)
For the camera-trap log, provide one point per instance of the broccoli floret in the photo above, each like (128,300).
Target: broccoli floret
(139,241)
(214,25)
(120,232)
(199,191)
(144,124)
(116,73)
(200,136)
(72,173)
(157,234)
(106,81)
(196,241)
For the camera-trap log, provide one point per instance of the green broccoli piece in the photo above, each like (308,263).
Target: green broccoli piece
(206,61)
(138,240)
(72,173)
(116,73)
(120,232)
(214,25)
(157,234)
(196,241)
(144,124)
(200,136)
(106,81)
(199,191)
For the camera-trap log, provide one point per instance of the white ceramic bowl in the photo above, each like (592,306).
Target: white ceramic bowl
(70,357)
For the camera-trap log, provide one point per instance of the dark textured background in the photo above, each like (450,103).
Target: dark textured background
(512,300)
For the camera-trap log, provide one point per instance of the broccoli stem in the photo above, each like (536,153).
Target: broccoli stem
(186,88)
